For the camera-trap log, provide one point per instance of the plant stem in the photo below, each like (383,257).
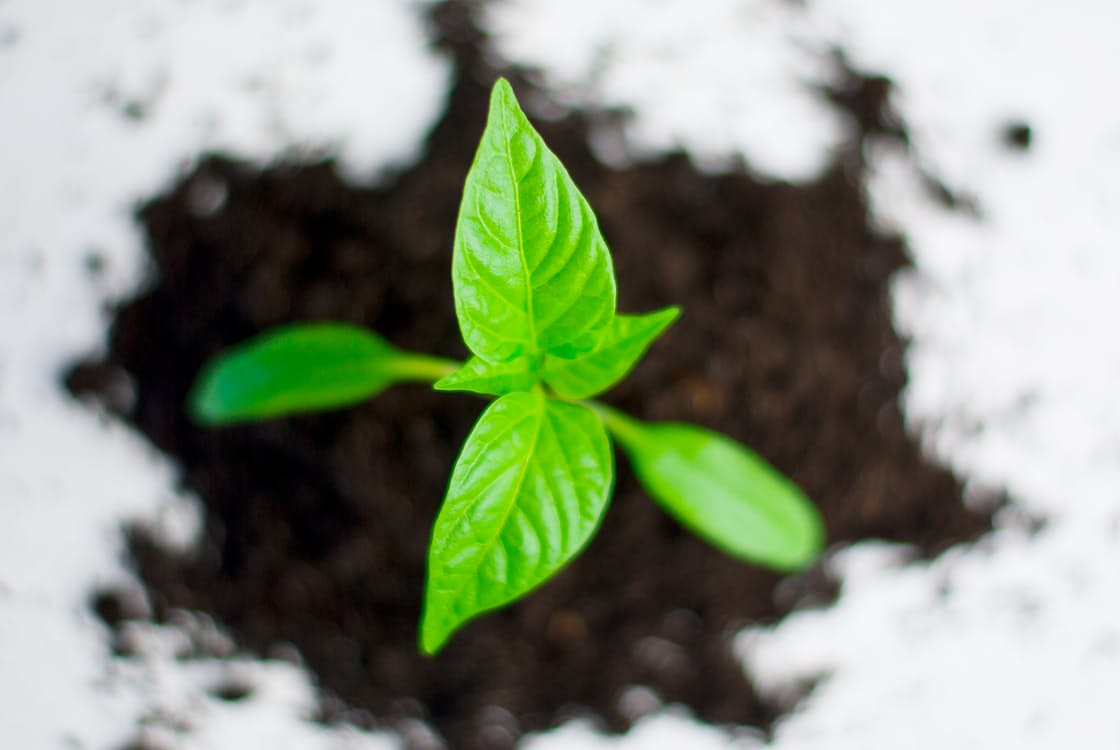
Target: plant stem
(627,429)
(425,369)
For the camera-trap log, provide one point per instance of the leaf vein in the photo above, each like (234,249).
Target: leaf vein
(489,283)
(516,185)
(482,556)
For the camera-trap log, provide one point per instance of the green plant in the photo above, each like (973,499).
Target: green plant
(535,299)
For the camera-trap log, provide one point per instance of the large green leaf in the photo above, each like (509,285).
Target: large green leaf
(622,344)
(526,495)
(722,491)
(531,271)
(493,378)
(304,367)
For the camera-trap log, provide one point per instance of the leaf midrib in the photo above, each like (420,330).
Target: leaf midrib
(513,504)
(526,276)
(766,513)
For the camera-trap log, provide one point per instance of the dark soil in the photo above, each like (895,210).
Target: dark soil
(317,527)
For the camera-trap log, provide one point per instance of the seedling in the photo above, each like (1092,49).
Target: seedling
(535,299)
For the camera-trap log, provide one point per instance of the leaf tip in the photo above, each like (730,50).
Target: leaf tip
(503,99)
(669,315)
(447,382)
(502,90)
(817,537)
(205,403)
(803,551)
(434,634)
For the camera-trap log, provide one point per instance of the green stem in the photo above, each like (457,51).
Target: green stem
(425,369)
(627,429)
(430,369)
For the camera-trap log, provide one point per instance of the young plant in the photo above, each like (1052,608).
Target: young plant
(535,299)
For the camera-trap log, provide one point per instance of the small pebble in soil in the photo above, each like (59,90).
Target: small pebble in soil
(232,690)
(207,640)
(1018,135)
(94,263)
(638,701)
(498,728)
(566,626)
(682,625)
(416,735)
(206,196)
(285,651)
(113,387)
(115,605)
(661,656)
(134,110)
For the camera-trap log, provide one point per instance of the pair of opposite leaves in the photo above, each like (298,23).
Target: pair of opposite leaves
(535,298)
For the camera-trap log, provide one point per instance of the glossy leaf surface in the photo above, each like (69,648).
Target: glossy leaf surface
(300,368)
(493,378)
(620,347)
(526,495)
(530,269)
(723,492)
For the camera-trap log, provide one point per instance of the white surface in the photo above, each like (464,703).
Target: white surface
(1014,643)
(667,730)
(720,77)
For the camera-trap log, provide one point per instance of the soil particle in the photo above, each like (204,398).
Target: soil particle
(1018,135)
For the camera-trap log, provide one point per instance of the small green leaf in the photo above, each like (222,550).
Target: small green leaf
(493,378)
(722,491)
(622,344)
(305,367)
(526,495)
(531,271)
